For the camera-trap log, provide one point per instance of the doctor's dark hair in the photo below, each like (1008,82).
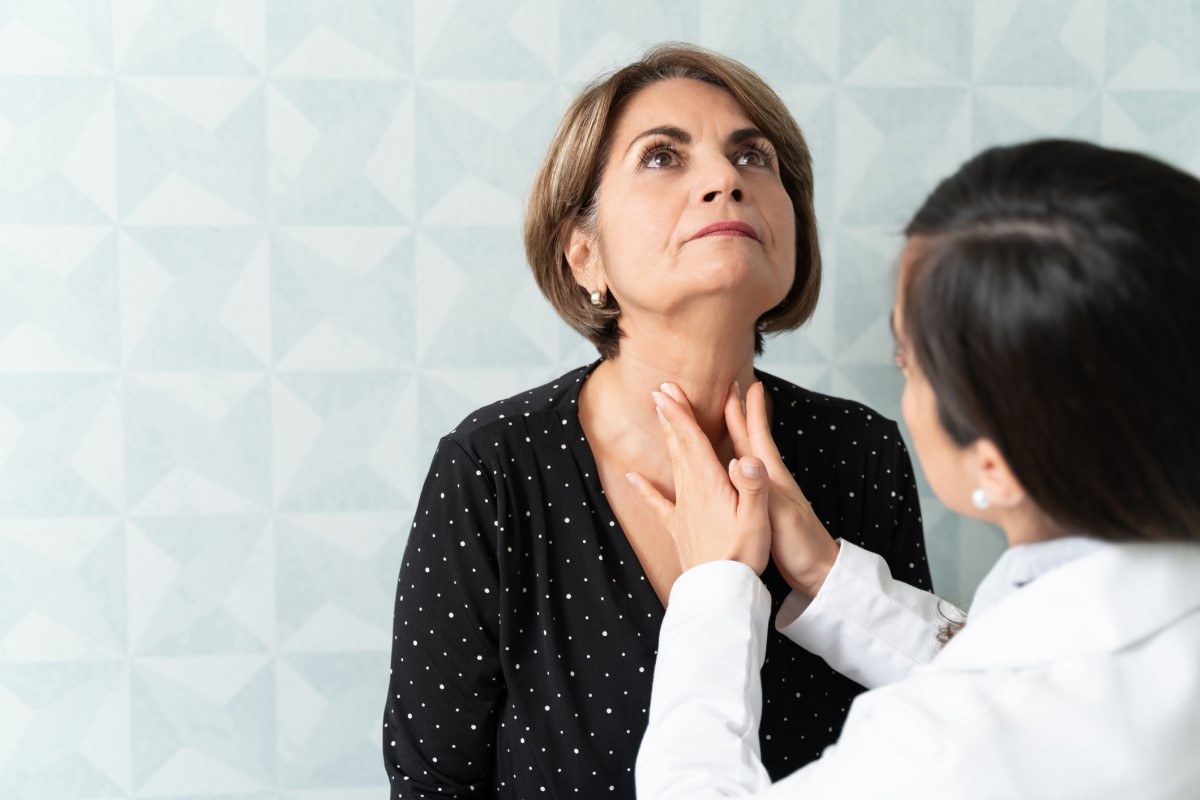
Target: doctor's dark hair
(1054,306)
(564,189)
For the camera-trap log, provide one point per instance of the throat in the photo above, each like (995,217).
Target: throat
(616,408)
(625,435)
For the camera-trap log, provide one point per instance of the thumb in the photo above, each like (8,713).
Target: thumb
(752,521)
(662,508)
(749,477)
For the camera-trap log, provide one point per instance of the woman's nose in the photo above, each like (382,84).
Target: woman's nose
(720,179)
(735,194)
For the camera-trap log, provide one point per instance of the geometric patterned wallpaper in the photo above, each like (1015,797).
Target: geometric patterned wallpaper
(256,256)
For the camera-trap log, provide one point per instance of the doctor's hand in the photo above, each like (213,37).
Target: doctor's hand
(717,514)
(802,549)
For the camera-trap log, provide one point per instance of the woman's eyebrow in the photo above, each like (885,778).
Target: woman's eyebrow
(667,131)
(745,135)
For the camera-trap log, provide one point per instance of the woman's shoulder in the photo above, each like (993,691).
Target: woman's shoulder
(555,400)
(804,406)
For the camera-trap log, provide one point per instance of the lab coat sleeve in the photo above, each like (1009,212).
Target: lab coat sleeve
(702,737)
(866,624)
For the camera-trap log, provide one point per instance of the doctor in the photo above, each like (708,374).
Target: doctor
(1047,327)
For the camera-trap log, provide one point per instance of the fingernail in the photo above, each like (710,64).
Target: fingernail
(751,470)
(629,476)
(659,401)
(737,390)
(673,391)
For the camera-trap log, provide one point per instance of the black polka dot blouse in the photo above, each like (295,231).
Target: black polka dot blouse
(525,628)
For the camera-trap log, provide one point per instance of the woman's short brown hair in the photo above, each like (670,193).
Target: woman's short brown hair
(565,186)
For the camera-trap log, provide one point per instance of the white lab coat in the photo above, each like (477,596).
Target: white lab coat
(864,623)
(1084,683)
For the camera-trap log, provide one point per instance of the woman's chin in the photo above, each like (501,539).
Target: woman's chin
(729,307)
(743,290)
(745,276)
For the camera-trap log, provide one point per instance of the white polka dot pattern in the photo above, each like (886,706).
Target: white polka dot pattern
(525,629)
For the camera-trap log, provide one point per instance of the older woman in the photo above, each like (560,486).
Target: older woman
(672,224)
(1046,326)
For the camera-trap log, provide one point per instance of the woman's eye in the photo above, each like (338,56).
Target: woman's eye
(755,156)
(752,158)
(660,158)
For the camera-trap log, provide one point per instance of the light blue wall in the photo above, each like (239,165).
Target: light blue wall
(257,255)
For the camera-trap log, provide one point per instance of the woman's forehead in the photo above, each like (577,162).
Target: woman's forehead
(683,103)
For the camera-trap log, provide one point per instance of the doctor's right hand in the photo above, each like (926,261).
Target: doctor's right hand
(801,548)
(718,513)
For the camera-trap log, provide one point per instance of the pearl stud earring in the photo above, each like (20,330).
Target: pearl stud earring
(979,499)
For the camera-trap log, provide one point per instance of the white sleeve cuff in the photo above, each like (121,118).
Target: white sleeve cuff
(866,624)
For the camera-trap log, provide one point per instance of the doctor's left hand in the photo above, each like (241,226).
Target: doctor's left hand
(718,514)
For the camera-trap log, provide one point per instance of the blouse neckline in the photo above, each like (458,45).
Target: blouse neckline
(568,414)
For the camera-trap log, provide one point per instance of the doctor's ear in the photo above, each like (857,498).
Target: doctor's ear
(999,484)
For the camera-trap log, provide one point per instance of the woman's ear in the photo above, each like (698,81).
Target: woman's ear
(583,256)
(995,478)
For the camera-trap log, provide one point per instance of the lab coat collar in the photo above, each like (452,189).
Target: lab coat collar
(1098,603)
(1022,564)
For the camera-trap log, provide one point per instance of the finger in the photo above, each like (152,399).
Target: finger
(761,442)
(735,422)
(684,435)
(679,452)
(672,438)
(676,394)
(764,445)
(663,508)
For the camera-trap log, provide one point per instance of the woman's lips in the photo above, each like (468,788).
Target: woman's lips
(727,228)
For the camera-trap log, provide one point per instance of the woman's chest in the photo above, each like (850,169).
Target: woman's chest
(578,639)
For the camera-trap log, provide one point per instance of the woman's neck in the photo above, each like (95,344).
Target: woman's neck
(616,406)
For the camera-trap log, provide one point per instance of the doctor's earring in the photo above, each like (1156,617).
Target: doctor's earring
(979,499)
